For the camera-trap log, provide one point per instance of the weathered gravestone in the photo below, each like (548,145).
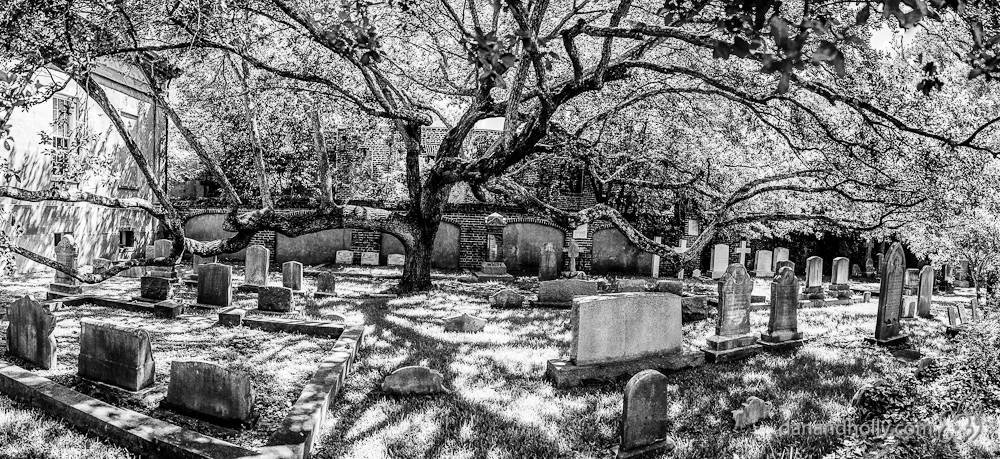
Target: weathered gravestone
(620,334)
(753,410)
(101,265)
(547,267)
(414,380)
(464,323)
(869,267)
(908,308)
(326,284)
(783,325)
(780,255)
(275,299)
(493,267)
(506,299)
(925,291)
(115,355)
(31,332)
(395,259)
(645,415)
(974,305)
(153,289)
(786,264)
(814,279)
(63,284)
(291,275)
(762,264)
(880,257)
(369,258)
(856,270)
(198,261)
(720,260)
(887,327)
(670,286)
(258,264)
(631,285)
(840,283)
(732,339)
(742,251)
(215,286)
(162,249)
(655,265)
(573,252)
(560,293)
(210,391)
(912,282)
(344,257)
(955,323)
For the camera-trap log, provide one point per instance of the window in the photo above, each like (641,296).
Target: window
(126,238)
(64,118)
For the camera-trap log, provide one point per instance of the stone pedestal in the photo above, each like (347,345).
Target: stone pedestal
(732,339)
(494,268)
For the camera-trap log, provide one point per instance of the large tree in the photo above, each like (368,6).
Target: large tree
(759,112)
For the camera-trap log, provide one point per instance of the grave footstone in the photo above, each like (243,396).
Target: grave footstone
(645,415)
(414,380)
(291,275)
(369,258)
(780,255)
(925,291)
(840,284)
(258,264)
(396,259)
(210,391)
(887,327)
(782,326)
(153,289)
(215,286)
(344,257)
(560,293)
(753,410)
(814,279)
(63,284)
(547,267)
(275,299)
(31,332)
(732,339)
(762,264)
(115,355)
(464,323)
(326,284)
(506,299)
(720,260)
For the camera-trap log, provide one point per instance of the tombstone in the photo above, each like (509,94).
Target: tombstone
(63,284)
(786,264)
(961,315)
(153,289)
(326,284)
(814,279)
(953,319)
(762,264)
(924,292)
(414,380)
(493,267)
(464,323)
(670,286)
(396,259)
(656,259)
(645,415)
(869,267)
(506,299)
(547,267)
(210,391)
(162,248)
(742,252)
(573,251)
(974,305)
(881,263)
(275,299)
(783,326)
(560,293)
(369,258)
(291,275)
(344,257)
(720,260)
(732,339)
(753,410)
(631,285)
(198,261)
(258,263)
(780,254)
(696,273)
(31,332)
(887,327)
(115,355)
(840,283)
(856,271)
(912,283)
(101,265)
(624,327)
(215,286)
(908,307)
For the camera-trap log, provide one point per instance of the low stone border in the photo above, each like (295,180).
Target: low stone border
(564,374)
(235,317)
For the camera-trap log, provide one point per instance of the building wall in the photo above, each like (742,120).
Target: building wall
(95,228)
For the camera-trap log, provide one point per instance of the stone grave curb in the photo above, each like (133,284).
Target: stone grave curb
(136,432)
(565,374)
(274,324)
(299,430)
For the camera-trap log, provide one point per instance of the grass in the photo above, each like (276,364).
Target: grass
(500,406)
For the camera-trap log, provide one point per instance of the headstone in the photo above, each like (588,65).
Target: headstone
(670,286)
(464,323)
(925,292)
(31,332)
(961,314)
(291,275)
(912,283)
(974,305)
(345,257)
(645,415)
(720,260)
(839,281)
(631,285)
(814,279)
(215,285)
(887,327)
(209,390)
(753,410)
(162,248)
(780,254)
(101,265)
(732,339)
(414,380)
(232,317)
(258,263)
(560,292)
(869,267)
(63,284)
(625,326)
(275,299)
(656,259)
(881,263)
(953,319)
(783,326)
(493,267)
(762,264)
(326,284)
(115,355)
(396,259)
(168,309)
(908,308)
(573,251)
(506,299)
(198,261)
(786,264)
(154,289)
(547,267)
(369,258)
(856,271)
(696,273)
(742,252)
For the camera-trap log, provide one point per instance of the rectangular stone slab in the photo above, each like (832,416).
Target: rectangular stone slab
(625,326)
(564,290)
(211,391)
(115,355)
(31,332)
(215,285)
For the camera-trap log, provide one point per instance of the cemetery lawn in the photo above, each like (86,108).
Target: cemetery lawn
(501,406)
